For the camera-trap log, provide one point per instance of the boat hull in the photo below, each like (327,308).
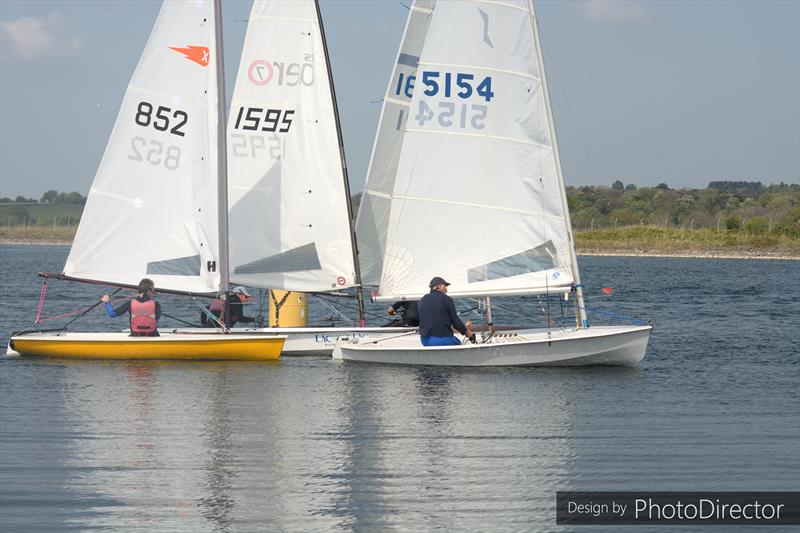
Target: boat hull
(318,340)
(602,345)
(207,346)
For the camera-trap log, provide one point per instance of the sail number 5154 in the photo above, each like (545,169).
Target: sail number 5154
(461,84)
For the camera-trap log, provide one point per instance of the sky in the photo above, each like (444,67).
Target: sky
(644,91)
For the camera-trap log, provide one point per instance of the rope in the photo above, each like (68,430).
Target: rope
(89,309)
(80,312)
(210,316)
(41,302)
(181,320)
(620,316)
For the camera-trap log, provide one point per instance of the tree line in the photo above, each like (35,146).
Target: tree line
(725,205)
(50,197)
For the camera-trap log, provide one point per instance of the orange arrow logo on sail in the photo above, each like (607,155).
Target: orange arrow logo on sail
(198,54)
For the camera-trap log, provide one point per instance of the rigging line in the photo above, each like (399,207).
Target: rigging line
(210,316)
(41,302)
(70,313)
(333,310)
(569,107)
(612,314)
(180,320)
(89,309)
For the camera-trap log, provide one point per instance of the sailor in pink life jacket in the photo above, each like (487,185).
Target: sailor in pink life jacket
(144,311)
(238,297)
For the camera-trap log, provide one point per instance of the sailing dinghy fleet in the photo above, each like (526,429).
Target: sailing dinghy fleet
(270,208)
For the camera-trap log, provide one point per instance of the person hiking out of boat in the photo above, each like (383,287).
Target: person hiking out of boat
(408,314)
(144,311)
(438,317)
(239,296)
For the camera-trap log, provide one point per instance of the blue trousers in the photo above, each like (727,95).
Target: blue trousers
(440,341)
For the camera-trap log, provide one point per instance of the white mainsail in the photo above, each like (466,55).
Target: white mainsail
(373,213)
(152,208)
(289,218)
(478,197)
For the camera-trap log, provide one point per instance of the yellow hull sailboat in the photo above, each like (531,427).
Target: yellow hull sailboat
(178,346)
(158,204)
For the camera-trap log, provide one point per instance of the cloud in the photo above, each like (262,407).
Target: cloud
(30,38)
(616,12)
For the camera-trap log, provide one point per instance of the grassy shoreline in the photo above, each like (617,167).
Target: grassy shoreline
(638,241)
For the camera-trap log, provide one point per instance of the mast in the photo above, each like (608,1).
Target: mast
(222,162)
(353,243)
(584,321)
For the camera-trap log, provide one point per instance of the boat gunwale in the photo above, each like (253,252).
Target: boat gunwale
(378,346)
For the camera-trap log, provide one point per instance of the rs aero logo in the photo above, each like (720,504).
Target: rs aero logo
(198,54)
(263,72)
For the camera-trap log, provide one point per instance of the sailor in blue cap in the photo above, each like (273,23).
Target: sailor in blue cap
(438,317)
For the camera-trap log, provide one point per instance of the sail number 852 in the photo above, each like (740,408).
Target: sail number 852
(161,118)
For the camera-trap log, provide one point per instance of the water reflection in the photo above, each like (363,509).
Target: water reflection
(218,478)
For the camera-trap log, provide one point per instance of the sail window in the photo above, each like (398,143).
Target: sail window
(298,259)
(181,266)
(542,257)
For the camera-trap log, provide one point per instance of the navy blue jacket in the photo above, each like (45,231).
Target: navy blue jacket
(437,313)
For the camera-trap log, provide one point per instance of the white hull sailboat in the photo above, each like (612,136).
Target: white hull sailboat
(466,184)
(598,345)
(157,207)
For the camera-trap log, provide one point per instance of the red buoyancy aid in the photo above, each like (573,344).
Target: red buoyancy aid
(143,317)
(216,309)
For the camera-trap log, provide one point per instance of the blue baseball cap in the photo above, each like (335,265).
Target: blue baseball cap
(436,282)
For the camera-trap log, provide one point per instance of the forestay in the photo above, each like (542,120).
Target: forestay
(477,198)
(288,217)
(152,208)
(373,213)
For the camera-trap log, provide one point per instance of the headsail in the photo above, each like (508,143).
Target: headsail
(373,213)
(288,216)
(152,207)
(478,198)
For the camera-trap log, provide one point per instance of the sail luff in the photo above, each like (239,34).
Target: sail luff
(559,172)
(373,213)
(345,178)
(222,154)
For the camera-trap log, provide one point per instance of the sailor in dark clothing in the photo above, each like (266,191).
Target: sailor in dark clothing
(409,316)
(144,311)
(239,296)
(438,317)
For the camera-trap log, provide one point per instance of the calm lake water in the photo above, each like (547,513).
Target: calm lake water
(307,444)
